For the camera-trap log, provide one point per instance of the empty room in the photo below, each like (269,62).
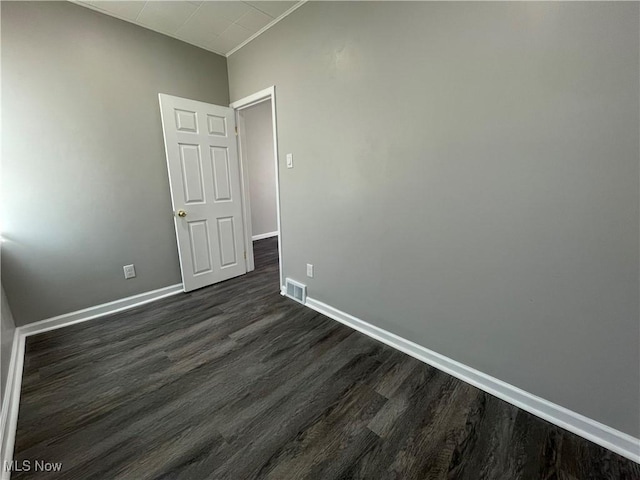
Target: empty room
(320,240)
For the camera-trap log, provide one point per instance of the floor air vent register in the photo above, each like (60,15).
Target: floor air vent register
(296,290)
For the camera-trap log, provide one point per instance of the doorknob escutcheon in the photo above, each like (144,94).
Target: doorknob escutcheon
(182,213)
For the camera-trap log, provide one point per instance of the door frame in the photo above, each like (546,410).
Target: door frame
(239,105)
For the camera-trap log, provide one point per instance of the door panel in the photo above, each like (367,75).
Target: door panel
(191,164)
(200,247)
(217,125)
(221,177)
(204,176)
(186,121)
(228,252)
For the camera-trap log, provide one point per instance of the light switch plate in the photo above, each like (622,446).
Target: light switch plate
(309,270)
(289,160)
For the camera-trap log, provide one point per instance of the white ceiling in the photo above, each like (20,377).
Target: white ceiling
(218,26)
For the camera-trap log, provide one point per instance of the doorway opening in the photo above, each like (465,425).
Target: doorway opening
(258,153)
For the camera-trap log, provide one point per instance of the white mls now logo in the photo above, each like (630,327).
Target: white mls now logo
(32,466)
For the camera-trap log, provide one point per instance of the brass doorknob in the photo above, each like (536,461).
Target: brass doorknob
(182,213)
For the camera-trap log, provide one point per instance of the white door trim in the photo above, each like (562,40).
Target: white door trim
(246,102)
(244,187)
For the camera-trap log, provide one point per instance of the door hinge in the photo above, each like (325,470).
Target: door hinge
(236,130)
(245,254)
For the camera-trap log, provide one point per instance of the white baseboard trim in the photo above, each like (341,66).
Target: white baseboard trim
(264,235)
(603,435)
(11,400)
(99,310)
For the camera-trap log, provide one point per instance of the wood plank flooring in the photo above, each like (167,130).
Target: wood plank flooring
(235,381)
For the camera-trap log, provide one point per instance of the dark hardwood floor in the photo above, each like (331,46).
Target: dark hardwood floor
(235,381)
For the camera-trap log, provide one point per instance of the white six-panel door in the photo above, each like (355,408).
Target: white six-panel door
(204,176)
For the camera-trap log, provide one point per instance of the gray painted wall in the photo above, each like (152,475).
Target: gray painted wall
(7,328)
(258,151)
(85,187)
(467,176)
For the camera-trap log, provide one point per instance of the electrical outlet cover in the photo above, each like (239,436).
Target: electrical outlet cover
(129,271)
